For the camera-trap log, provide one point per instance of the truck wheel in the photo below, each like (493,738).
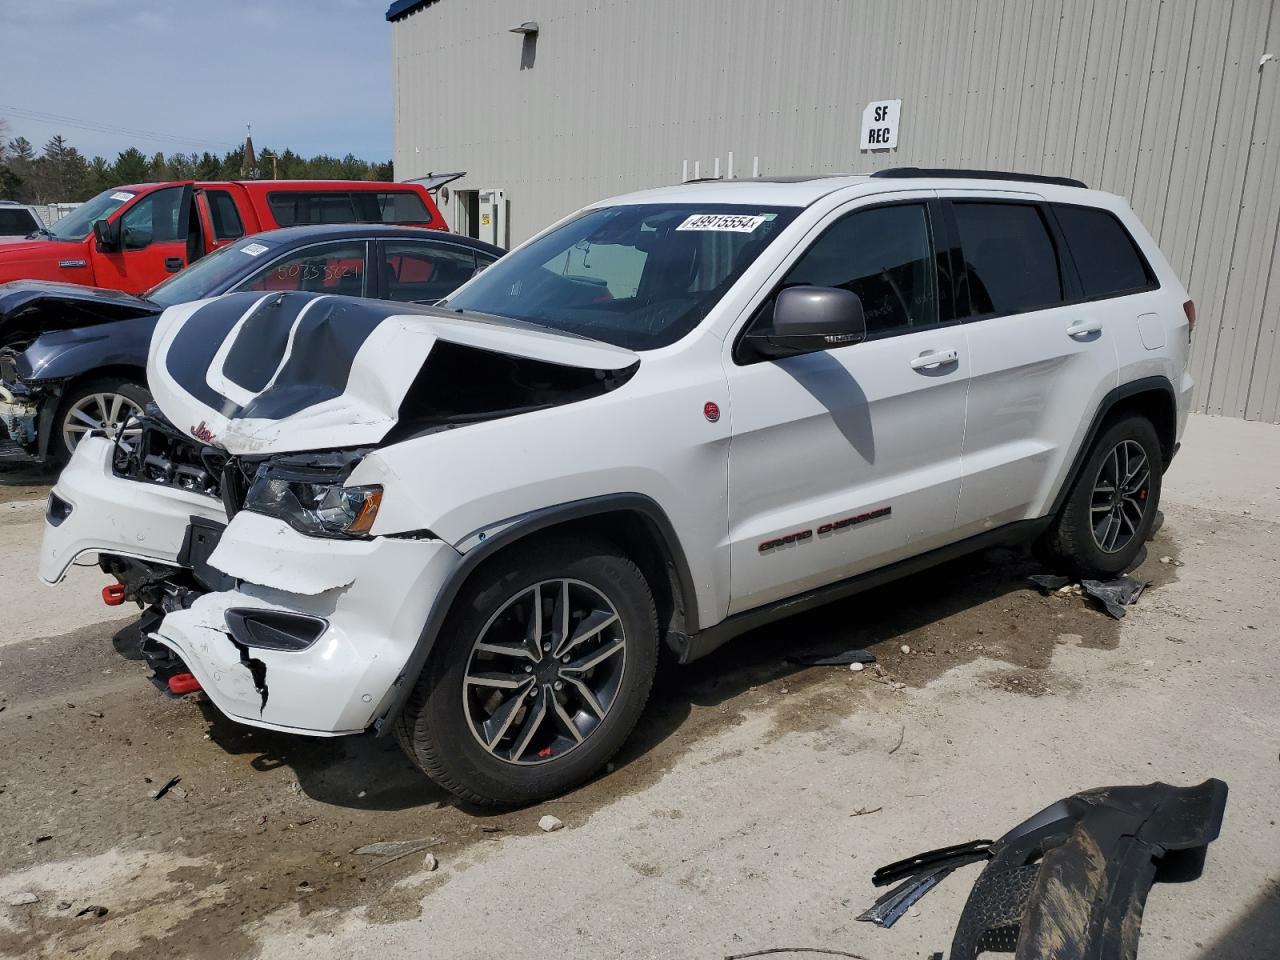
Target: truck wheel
(95,405)
(540,673)
(1103,525)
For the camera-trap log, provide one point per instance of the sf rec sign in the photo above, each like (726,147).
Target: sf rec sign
(880,125)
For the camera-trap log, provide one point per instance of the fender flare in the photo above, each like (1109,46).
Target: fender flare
(511,532)
(1105,406)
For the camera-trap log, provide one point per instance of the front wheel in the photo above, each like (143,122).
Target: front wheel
(1102,527)
(100,405)
(540,674)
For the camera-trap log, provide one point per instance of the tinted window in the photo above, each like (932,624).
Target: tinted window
(636,275)
(883,255)
(153,219)
(400,206)
(295,207)
(414,270)
(225,216)
(324,268)
(1105,255)
(1009,262)
(16,222)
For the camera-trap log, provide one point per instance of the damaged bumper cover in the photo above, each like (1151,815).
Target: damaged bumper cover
(364,602)
(314,633)
(99,512)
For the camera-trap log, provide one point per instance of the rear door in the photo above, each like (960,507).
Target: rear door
(153,241)
(1043,359)
(848,459)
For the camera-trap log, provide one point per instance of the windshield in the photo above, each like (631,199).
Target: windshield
(78,224)
(639,277)
(210,275)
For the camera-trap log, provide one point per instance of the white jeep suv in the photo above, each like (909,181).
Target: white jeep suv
(669,418)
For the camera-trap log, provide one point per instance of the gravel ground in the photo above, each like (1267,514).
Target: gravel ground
(748,812)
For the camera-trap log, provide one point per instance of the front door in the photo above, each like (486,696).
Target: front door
(153,241)
(847,459)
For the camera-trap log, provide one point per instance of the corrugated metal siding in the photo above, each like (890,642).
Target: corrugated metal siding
(1159,100)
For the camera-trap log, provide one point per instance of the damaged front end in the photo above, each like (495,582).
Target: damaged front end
(238,517)
(24,406)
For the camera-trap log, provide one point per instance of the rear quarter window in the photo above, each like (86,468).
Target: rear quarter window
(1107,257)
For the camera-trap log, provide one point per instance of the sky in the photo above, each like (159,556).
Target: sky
(312,75)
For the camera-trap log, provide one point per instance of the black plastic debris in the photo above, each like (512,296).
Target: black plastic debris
(1048,582)
(842,659)
(1071,882)
(886,911)
(1115,595)
(169,785)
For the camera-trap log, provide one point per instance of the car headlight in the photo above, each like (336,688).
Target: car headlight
(314,502)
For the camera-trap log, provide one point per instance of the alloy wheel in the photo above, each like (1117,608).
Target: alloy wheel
(1120,496)
(104,412)
(544,671)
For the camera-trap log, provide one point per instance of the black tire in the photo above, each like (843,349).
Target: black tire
(1072,542)
(132,391)
(435,729)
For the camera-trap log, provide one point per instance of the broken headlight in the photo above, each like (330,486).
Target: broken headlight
(314,502)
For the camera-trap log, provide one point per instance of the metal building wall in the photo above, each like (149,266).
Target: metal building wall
(1162,101)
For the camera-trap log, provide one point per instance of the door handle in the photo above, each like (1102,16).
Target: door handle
(933,359)
(173,264)
(1082,328)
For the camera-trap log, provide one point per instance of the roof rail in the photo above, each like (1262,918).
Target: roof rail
(909,173)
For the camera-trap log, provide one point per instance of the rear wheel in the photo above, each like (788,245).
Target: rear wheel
(100,405)
(1102,527)
(540,674)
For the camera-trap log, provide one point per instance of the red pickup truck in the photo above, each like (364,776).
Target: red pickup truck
(130,238)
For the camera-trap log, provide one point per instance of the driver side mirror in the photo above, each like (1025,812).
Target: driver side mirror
(107,234)
(808,319)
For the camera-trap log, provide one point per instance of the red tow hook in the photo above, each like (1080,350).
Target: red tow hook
(183,683)
(113,595)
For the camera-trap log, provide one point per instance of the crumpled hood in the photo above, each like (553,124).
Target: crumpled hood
(288,372)
(39,305)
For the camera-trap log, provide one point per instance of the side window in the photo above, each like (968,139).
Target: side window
(400,206)
(413,270)
(294,207)
(153,219)
(226,218)
(885,256)
(1106,256)
(16,222)
(1010,265)
(324,268)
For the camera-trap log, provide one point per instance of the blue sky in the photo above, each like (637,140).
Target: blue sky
(313,75)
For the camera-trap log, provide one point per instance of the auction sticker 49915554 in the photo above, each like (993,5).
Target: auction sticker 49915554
(735,222)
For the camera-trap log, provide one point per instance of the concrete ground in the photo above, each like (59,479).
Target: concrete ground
(748,812)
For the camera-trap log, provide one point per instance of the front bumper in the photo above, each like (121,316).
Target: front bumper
(110,514)
(374,595)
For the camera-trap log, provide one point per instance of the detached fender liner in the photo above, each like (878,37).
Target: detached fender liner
(1070,883)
